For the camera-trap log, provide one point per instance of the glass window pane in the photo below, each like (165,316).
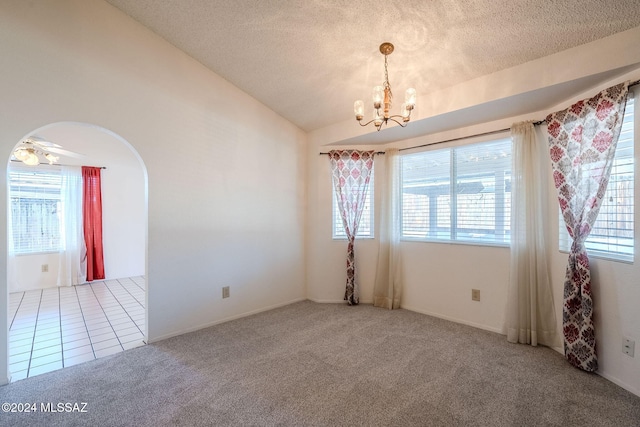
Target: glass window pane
(480,209)
(35,211)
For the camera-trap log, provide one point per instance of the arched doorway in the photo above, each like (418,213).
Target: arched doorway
(51,326)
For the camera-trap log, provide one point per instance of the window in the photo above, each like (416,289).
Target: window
(35,211)
(365,229)
(458,194)
(612,233)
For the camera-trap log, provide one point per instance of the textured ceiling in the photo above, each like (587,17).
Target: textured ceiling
(309,60)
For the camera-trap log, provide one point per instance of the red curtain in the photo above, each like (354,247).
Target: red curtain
(92,220)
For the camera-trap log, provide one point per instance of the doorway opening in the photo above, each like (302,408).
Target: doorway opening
(55,319)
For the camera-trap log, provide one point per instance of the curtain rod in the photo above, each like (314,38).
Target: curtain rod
(537,123)
(377,152)
(58,164)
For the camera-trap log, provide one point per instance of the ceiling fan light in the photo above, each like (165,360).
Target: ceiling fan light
(21,154)
(32,159)
(51,158)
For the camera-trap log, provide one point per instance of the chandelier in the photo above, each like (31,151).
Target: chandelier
(382,100)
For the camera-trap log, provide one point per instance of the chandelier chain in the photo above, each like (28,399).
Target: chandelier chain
(386,85)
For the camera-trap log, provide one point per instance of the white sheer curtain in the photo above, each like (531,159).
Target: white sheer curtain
(530,317)
(12,275)
(72,269)
(387,288)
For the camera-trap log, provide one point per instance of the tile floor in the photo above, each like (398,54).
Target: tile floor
(57,327)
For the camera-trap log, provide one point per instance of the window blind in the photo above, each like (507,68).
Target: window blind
(35,211)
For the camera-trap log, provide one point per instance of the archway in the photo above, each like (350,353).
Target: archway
(96,319)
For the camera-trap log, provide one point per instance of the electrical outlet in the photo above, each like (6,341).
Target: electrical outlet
(45,268)
(628,347)
(475,294)
(225,292)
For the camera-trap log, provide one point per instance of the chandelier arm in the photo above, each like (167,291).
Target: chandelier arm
(366,124)
(401,124)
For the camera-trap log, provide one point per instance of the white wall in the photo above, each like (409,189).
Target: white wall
(29,274)
(226,194)
(438,277)
(124,221)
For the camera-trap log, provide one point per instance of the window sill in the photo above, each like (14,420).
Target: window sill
(456,242)
(357,238)
(35,253)
(624,259)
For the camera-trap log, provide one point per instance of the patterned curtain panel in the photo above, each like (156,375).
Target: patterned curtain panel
(582,145)
(351,170)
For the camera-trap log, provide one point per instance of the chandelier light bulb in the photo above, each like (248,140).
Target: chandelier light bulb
(378,120)
(378,96)
(358,109)
(406,112)
(410,98)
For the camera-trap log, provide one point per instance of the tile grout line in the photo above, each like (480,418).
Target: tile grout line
(16,312)
(140,287)
(105,313)
(60,323)
(127,311)
(85,324)
(132,296)
(35,327)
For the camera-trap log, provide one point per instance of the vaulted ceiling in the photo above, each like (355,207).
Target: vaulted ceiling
(308,60)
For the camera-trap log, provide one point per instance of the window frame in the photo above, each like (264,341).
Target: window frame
(453,177)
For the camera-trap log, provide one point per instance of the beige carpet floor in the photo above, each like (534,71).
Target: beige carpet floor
(310,364)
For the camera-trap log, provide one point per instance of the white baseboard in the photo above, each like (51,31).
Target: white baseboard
(327,301)
(226,319)
(620,383)
(453,319)
(337,301)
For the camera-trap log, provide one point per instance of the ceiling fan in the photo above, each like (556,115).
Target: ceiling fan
(33,149)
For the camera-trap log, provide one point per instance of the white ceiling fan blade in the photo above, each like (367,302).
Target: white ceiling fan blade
(36,140)
(64,152)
